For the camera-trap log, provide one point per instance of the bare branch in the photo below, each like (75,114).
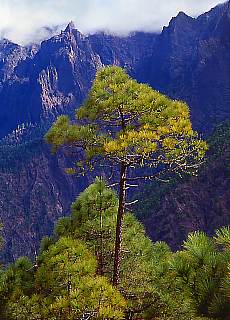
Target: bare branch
(132,185)
(113,185)
(130,203)
(148,177)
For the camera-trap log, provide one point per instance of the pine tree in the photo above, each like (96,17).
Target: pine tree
(17,279)
(124,125)
(66,287)
(201,271)
(93,217)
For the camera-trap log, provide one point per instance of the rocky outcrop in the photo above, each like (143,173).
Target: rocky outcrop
(11,55)
(59,75)
(51,82)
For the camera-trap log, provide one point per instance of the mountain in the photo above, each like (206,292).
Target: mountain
(40,82)
(34,193)
(191,62)
(57,76)
(188,60)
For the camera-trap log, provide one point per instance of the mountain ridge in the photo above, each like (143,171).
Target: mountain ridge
(43,81)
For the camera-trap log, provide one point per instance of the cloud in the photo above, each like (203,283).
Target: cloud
(25,21)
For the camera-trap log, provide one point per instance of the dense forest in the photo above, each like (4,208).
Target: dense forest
(99,263)
(70,278)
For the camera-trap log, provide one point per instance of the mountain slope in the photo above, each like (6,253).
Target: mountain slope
(59,75)
(34,193)
(200,203)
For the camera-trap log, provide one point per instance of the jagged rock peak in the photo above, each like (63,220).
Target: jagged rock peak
(181,14)
(181,18)
(218,10)
(180,22)
(70,27)
(4,40)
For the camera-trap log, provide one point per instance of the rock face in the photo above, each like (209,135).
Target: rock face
(53,80)
(189,60)
(43,82)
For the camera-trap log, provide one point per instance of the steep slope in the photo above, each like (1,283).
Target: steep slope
(34,193)
(41,82)
(55,78)
(201,203)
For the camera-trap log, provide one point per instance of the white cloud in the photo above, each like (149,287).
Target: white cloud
(23,21)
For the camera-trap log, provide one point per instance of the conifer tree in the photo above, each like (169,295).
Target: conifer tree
(93,219)
(201,273)
(124,126)
(65,287)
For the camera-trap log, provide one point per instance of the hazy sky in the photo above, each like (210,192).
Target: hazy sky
(22,20)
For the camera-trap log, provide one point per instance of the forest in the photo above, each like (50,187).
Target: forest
(99,263)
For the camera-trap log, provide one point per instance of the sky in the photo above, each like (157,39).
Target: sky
(24,21)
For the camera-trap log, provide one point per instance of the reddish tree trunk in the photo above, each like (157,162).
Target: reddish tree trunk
(119,228)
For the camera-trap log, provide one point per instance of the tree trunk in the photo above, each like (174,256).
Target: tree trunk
(101,249)
(119,228)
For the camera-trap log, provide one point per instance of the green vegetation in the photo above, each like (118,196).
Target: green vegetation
(125,126)
(93,219)
(219,140)
(62,284)
(70,279)
(21,146)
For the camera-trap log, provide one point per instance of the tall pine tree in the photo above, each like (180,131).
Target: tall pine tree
(124,126)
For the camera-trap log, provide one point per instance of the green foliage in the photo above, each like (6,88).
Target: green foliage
(65,287)
(127,122)
(223,237)
(219,140)
(201,272)
(93,219)
(152,194)
(129,125)
(68,282)
(14,281)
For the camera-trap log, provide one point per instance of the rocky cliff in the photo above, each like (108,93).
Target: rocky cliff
(34,193)
(191,61)
(42,81)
